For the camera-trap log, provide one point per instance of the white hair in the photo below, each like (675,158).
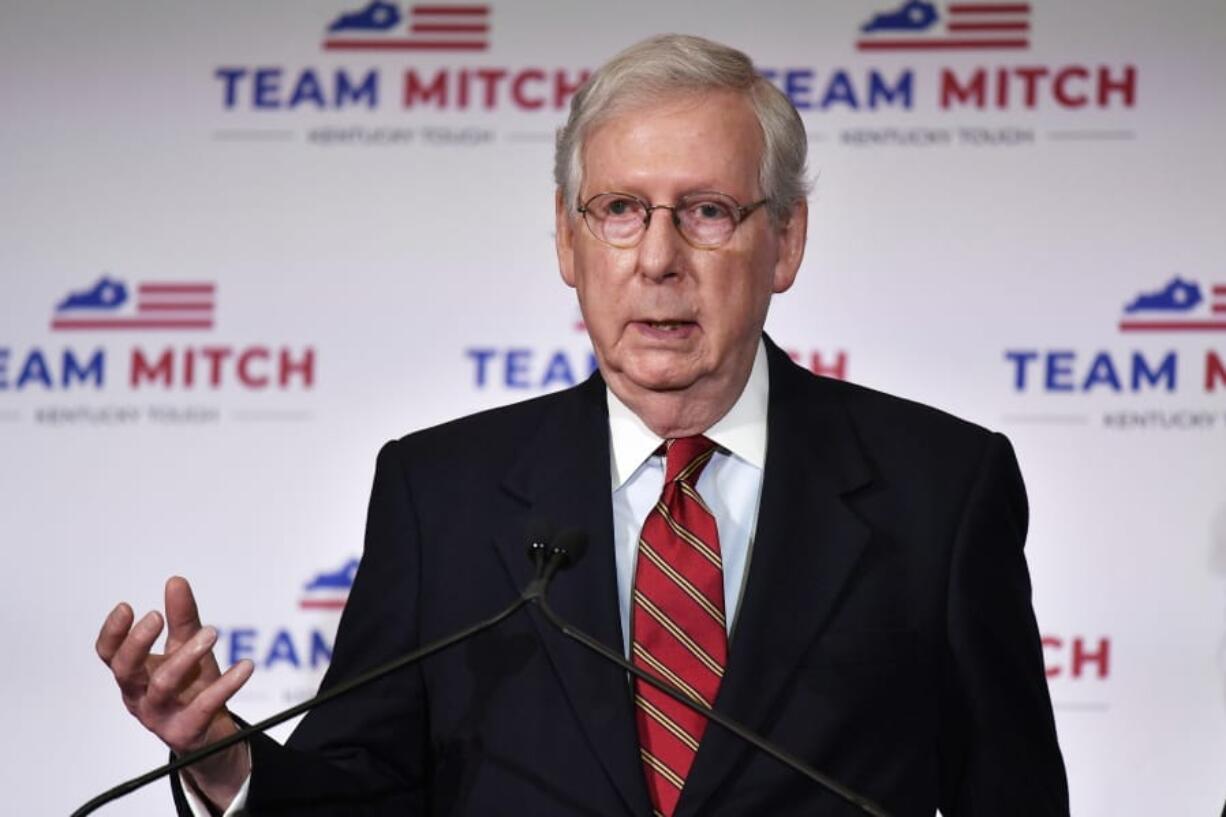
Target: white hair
(666,65)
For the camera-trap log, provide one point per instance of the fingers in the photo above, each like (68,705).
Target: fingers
(210,701)
(181,668)
(128,661)
(180,695)
(185,727)
(114,631)
(182,616)
(192,723)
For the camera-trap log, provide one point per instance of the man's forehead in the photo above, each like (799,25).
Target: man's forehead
(698,138)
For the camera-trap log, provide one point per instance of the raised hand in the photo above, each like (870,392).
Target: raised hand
(179,695)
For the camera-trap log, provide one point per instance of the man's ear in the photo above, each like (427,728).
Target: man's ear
(564,239)
(791,236)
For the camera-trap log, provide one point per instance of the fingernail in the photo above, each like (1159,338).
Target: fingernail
(206,636)
(150,620)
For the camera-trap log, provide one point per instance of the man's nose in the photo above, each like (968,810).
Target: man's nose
(660,246)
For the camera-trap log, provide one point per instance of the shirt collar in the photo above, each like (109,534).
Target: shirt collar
(742,431)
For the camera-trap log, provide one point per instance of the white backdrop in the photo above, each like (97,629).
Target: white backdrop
(371,256)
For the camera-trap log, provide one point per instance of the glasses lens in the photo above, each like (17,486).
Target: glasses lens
(616,218)
(707,219)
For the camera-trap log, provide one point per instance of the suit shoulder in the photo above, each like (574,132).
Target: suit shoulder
(876,416)
(905,428)
(917,415)
(935,457)
(488,436)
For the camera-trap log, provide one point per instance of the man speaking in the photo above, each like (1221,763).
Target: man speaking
(840,570)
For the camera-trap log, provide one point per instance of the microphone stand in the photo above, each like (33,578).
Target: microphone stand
(549,559)
(785,757)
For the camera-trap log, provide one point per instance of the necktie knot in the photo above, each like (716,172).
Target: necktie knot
(685,457)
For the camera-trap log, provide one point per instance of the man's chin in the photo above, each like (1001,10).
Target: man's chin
(659,379)
(654,370)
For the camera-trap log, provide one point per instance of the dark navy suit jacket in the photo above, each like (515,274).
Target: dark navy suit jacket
(885,634)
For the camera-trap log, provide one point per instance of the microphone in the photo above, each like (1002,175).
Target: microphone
(567,549)
(540,534)
(548,557)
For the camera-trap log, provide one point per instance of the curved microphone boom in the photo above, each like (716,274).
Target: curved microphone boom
(568,547)
(549,554)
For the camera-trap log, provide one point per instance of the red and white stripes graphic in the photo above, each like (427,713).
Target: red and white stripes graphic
(159,305)
(966,26)
(434,27)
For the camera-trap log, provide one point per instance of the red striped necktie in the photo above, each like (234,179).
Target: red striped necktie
(677,624)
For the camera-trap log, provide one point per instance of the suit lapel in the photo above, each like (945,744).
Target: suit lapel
(563,476)
(806,544)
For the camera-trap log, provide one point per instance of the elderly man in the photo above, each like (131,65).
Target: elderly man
(836,568)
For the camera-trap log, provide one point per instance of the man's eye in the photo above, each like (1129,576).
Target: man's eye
(619,207)
(710,211)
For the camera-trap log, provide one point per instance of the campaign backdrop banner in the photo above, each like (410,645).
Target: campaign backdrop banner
(243,245)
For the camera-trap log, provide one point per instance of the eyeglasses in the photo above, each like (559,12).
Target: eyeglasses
(705,220)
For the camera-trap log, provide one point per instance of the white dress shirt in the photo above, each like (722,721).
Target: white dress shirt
(199,809)
(730,484)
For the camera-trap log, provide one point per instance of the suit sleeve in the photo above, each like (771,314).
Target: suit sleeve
(365,752)
(1000,753)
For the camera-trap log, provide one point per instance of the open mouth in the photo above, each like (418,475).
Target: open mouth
(670,329)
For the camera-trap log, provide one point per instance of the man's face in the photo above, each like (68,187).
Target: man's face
(664,316)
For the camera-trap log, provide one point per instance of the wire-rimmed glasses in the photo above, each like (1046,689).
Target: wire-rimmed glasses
(705,219)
